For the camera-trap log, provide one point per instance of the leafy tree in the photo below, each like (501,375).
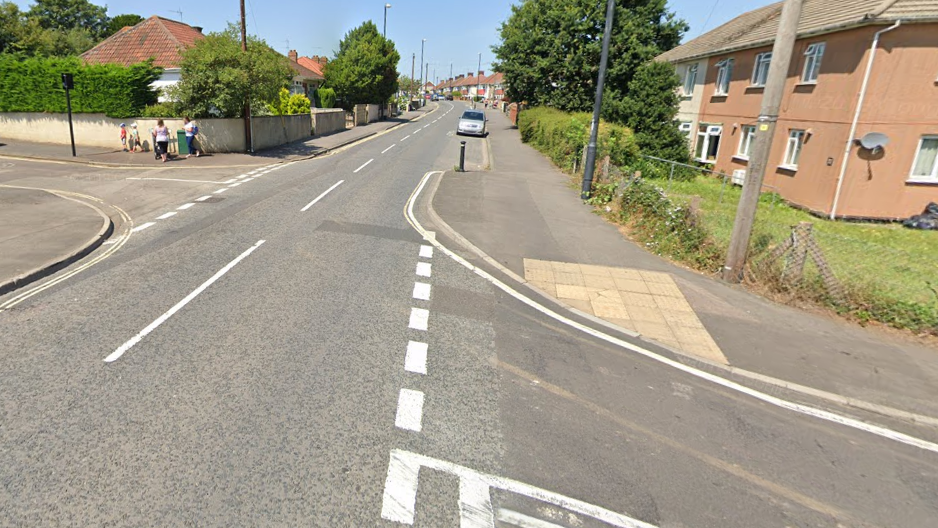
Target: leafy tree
(408,85)
(289,104)
(549,50)
(325,98)
(649,110)
(21,32)
(65,15)
(120,22)
(365,67)
(218,78)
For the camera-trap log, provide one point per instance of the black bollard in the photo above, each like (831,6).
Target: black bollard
(462,156)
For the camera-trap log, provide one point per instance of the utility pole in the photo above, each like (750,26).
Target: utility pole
(590,166)
(386,6)
(762,144)
(410,89)
(478,81)
(248,140)
(424,41)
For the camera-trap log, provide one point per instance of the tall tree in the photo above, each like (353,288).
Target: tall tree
(649,109)
(549,50)
(217,77)
(64,15)
(365,67)
(408,85)
(121,21)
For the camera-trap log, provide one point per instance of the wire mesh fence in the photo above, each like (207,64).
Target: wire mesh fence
(876,271)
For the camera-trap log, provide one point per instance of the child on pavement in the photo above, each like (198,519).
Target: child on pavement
(134,138)
(124,137)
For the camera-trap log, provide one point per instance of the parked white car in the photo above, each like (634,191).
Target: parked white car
(471,123)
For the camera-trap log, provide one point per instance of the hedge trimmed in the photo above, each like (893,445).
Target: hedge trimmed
(563,136)
(35,85)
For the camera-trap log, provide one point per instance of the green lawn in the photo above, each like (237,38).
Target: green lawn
(886,260)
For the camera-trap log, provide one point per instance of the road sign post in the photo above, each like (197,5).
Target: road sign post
(68,83)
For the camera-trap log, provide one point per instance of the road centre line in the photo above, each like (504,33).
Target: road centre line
(419,319)
(235,184)
(389,148)
(219,191)
(141,227)
(183,207)
(404,138)
(416,359)
(807,410)
(164,216)
(202,199)
(232,180)
(409,410)
(114,356)
(363,166)
(426,251)
(177,180)
(424,269)
(321,196)
(421,291)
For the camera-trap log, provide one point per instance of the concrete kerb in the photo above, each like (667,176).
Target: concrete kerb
(684,357)
(58,263)
(106,165)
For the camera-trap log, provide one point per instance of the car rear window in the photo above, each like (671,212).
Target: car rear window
(475,116)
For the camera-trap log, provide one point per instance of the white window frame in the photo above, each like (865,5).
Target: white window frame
(814,56)
(690,81)
(746,139)
(918,178)
(760,70)
(705,134)
(686,127)
(793,149)
(724,76)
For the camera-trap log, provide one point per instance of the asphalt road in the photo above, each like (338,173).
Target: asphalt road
(266,369)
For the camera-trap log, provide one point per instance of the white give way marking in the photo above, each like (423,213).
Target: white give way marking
(475,502)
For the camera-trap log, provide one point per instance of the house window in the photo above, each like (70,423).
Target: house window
(760,72)
(685,127)
(708,142)
(793,150)
(745,142)
(812,63)
(690,80)
(724,73)
(925,167)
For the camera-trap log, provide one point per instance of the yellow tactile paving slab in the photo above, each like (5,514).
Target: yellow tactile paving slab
(647,302)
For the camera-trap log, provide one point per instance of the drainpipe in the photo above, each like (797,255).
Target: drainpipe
(856,116)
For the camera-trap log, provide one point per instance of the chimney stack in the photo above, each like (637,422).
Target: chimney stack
(481,73)
(292,55)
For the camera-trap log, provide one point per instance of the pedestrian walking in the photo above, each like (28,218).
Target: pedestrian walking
(161,138)
(191,132)
(134,139)
(124,137)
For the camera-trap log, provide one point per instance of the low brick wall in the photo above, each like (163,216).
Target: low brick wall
(328,120)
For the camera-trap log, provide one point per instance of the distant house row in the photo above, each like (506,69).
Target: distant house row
(859,67)
(489,87)
(163,40)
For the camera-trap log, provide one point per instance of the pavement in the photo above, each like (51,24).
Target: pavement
(293,347)
(527,216)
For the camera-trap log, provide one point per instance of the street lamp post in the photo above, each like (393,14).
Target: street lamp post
(386,6)
(588,169)
(478,81)
(422,84)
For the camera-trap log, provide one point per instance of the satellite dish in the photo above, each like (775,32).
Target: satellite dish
(874,141)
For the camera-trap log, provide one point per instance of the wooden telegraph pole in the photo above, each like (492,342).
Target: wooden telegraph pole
(248,140)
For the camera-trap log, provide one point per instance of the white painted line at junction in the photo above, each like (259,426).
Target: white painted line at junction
(421,291)
(202,199)
(806,410)
(141,227)
(416,359)
(219,191)
(234,184)
(387,149)
(114,356)
(424,269)
(226,182)
(419,318)
(249,179)
(399,501)
(404,138)
(409,410)
(183,207)
(164,216)
(177,180)
(426,251)
(321,196)
(363,166)
(523,521)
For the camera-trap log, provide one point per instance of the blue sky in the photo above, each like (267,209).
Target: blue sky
(456,32)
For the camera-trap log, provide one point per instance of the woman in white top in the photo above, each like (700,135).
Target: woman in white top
(161,137)
(191,131)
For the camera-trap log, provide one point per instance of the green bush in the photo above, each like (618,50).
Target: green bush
(167,109)
(35,85)
(324,97)
(563,136)
(288,104)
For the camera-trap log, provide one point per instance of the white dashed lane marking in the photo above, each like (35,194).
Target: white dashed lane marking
(166,215)
(422,291)
(183,207)
(321,196)
(202,199)
(405,137)
(409,410)
(423,269)
(387,149)
(219,191)
(416,359)
(141,227)
(419,319)
(363,165)
(426,251)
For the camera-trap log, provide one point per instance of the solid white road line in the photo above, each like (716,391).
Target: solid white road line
(422,291)
(416,359)
(475,504)
(713,378)
(219,191)
(183,207)
(162,319)
(363,166)
(202,199)
(426,251)
(409,410)
(419,318)
(141,227)
(402,139)
(321,196)
(387,149)
(166,215)
(423,269)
